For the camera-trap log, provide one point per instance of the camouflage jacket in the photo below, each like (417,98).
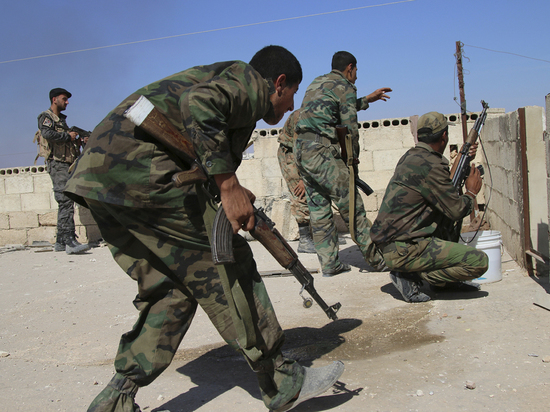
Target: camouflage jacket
(419,197)
(331,100)
(287,136)
(55,130)
(217,104)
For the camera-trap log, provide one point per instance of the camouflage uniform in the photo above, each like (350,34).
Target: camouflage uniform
(63,154)
(158,234)
(331,100)
(419,203)
(287,162)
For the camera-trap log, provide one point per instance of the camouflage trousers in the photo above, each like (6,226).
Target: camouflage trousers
(59,173)
(436,261)
(287,162)
(326,178)
(167,253)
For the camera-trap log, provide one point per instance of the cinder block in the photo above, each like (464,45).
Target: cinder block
(266,147)
(35,201)
(366,163)
(256,186)
(42,183)
(13,237)
(47,219)
(4,221)
(387,159)
(19,184)
(271,168)
(386,138)
(44,233)
(249,168)
(378,180)
(22,220)
(273,187)
(281,216)
(10,203)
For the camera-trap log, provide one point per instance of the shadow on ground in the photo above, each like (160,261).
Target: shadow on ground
(218,369)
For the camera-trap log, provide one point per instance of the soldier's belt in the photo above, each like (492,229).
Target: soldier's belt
(315,137)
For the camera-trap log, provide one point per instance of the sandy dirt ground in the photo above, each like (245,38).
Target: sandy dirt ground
(62,316)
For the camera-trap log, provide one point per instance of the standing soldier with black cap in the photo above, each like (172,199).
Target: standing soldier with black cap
(64,150)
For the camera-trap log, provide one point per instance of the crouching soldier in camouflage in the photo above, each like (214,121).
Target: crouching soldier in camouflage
(419,202)
(159,234)
(294,182)
(64,150)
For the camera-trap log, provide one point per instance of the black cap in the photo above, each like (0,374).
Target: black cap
(58,91)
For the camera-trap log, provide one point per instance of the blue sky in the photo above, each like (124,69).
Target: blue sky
(408,46)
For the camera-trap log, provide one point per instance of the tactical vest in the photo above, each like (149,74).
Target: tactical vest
(66,152)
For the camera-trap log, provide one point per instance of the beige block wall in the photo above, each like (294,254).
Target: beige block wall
(28,210)
(383,142)
(503,185)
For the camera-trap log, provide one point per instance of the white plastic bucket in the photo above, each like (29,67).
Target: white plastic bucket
(490,242)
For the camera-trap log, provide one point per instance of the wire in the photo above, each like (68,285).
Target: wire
(514,54)
(207,31)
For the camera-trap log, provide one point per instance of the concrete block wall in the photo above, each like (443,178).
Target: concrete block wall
(505,208)
(501,142)
(28,210)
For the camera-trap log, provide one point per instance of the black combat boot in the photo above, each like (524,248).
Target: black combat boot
(72,246)
(408,285)
(59,243)
(306,244)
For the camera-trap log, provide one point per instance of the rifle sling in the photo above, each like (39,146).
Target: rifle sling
(236,299)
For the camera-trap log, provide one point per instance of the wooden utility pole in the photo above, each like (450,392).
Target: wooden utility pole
(463,117)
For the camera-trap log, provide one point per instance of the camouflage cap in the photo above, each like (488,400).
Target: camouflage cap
(431,123)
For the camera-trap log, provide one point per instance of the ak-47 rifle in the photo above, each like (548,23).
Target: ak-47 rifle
(143,114)
(264,231)
(341,132)
(81,134)
(461,170)
(461,166)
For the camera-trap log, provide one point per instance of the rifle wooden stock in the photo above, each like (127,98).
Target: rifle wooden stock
(143,114)
(341,132)
(272,240)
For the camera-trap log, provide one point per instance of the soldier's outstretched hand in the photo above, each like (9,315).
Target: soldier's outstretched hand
(379,94)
